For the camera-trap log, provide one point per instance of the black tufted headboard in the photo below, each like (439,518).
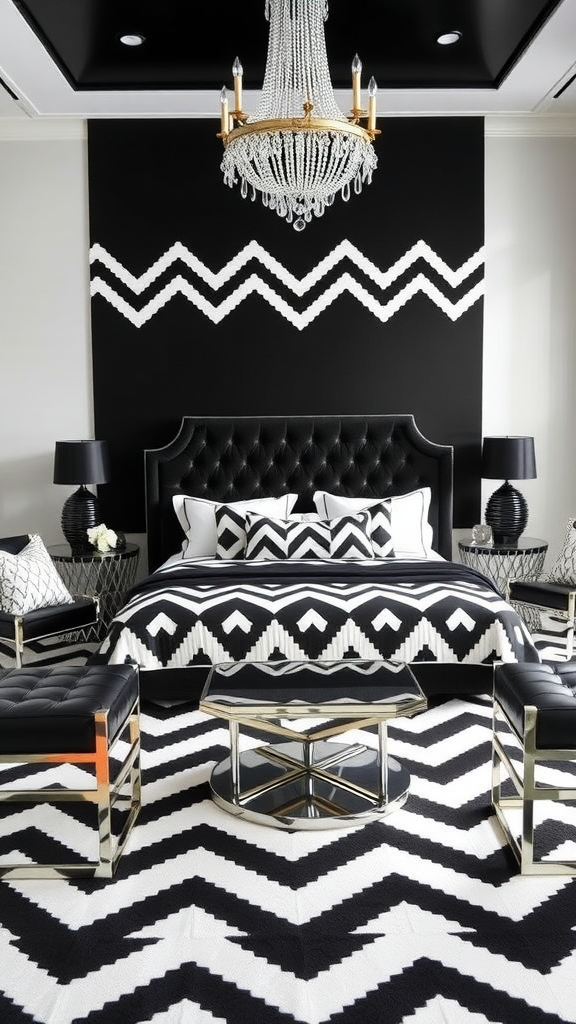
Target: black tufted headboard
(230,458)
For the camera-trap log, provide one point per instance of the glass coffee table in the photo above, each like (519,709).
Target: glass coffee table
(307,781)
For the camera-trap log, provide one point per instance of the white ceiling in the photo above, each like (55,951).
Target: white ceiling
(43,92)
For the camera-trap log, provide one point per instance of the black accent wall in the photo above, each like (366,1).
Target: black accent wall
(204,303)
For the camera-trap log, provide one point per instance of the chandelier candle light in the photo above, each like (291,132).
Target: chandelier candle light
(298,150)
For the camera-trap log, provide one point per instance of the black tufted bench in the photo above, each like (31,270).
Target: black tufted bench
(75,715)
(534,705)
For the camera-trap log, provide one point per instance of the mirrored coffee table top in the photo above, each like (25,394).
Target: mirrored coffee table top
(348,688)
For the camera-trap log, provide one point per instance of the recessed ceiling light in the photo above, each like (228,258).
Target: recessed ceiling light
(132,39)
(449,38)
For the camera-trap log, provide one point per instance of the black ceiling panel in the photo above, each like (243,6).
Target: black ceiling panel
(191,45)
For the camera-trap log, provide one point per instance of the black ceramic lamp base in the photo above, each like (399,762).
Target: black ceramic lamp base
(80,513)
(507,514)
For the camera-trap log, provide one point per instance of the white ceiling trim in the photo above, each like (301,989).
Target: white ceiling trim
(48,129)
(537,125)
(28,70)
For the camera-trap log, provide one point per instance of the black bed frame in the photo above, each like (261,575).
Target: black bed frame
(233,458)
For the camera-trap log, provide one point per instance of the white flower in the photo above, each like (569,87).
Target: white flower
(101,537)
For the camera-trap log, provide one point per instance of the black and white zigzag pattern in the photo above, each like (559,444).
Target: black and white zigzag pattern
(343,537)
(381,529)
(419,919)
(231,536)
(213,610)
(345,270)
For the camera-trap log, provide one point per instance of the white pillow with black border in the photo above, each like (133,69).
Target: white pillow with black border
(197,519)
(29,580)
(412,535)
(346,537)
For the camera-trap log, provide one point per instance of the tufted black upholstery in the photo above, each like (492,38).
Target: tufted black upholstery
(51,710)
(537,703)
(552,690)
(229,458)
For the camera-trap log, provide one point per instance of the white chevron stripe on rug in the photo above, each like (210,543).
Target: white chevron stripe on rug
(421,917)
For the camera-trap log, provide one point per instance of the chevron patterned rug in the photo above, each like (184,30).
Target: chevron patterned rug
(418,919)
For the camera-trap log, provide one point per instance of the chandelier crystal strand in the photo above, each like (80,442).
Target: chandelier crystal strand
(298,151)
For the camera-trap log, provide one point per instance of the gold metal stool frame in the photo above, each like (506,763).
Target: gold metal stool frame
(106,793)
(528,791)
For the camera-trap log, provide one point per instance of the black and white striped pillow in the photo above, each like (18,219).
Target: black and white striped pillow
(381,529)
(230,520)
(230,532)
(345,537)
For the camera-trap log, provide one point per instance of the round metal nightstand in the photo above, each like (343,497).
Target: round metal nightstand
(104,574)
(502,562)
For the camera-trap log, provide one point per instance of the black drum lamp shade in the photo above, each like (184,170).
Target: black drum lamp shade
(508,458)
(81,462)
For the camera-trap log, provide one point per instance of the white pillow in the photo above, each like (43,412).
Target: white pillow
(564,568)
(30,580)
(412,535)
(196,517)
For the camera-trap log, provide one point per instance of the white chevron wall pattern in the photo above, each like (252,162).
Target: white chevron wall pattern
(421,918)
(376,295)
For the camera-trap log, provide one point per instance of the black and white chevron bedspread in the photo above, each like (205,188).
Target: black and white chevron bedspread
(204,611)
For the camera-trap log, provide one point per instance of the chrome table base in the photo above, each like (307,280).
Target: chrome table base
(310,785)
(306,779)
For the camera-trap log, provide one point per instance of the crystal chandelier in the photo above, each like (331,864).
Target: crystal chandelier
(298,150)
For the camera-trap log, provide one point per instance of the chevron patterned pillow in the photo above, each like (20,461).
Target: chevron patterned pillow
(345,537)
(380,526)
(29,580)
(381,529)
(564,568)
(230,532)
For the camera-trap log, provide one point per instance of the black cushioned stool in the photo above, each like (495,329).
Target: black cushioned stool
(535,705)
(75,715)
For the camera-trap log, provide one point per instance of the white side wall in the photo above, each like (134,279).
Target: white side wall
(44,325)
(530,315)
(529,380)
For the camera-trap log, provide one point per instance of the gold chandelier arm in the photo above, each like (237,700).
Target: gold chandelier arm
(306,124)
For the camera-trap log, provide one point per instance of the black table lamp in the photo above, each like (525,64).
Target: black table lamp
(81,462)
(505,458)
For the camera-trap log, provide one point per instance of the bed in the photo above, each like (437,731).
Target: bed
(307,537)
